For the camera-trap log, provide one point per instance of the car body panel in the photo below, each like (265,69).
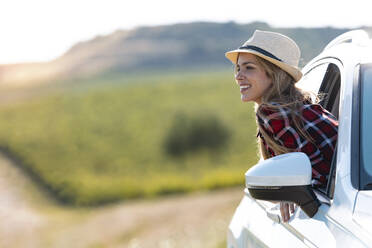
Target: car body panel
(362,214)
(260,231)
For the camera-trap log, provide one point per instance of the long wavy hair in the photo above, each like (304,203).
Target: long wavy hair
(284,93)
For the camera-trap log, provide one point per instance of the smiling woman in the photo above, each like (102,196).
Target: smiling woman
(266,70)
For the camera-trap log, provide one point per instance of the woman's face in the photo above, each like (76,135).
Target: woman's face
(251,78)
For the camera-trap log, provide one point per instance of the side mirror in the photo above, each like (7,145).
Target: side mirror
(285,177)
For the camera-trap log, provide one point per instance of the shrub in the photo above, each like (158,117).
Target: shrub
(193,133)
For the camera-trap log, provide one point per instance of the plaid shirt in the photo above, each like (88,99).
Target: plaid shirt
(318,123)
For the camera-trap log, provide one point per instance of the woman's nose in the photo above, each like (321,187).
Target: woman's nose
(238,75)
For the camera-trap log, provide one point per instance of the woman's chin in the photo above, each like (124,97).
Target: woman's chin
(245,99)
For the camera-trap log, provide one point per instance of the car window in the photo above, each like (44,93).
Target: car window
(365,128)
(330,89)
(325,80)
(312,79)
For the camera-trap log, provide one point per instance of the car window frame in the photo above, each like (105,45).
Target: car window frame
(327,195)
(355,130)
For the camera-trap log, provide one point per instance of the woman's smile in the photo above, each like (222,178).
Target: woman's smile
(244,88)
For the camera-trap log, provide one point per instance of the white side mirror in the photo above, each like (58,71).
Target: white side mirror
(286,177)
(290,169)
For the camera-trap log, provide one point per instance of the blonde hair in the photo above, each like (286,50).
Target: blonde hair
(283,93)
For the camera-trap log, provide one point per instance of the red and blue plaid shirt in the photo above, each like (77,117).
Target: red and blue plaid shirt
(321,125)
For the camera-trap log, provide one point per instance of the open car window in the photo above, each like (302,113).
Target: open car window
(330,90)
(312,80)
(325,80)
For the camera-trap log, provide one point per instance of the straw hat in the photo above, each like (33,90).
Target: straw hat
(273,47)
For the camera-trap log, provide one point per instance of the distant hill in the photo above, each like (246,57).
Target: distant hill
(184,46)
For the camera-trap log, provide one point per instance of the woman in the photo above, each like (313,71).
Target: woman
(266,70)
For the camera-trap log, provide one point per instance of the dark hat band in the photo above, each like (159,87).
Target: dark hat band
(260,50)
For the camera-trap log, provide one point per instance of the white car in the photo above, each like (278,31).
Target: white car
(341,214)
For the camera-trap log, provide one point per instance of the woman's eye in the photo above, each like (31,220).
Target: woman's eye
(244,68)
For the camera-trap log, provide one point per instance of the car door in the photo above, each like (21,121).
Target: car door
(344,218)
(323,229)
(324,78)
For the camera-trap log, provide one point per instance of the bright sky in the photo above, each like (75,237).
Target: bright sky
(40,30)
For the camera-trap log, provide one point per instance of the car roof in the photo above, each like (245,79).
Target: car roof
(351,47)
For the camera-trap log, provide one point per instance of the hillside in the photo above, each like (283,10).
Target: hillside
(190,45)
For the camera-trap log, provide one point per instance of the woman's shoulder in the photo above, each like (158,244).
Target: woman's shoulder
(277,109)
(314,111)
(272,110)
(313,106)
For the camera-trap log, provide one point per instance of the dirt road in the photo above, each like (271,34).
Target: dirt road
(29,218)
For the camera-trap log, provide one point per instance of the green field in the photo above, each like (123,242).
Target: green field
(100,142)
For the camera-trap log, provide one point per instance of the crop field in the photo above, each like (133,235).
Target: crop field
(142,136)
